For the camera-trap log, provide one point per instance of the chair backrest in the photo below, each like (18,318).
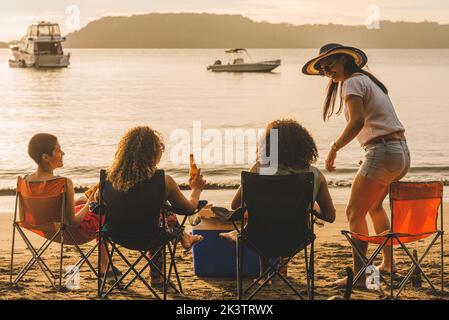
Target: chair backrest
(414,206)
(279,211)
(136,213)
(41,202)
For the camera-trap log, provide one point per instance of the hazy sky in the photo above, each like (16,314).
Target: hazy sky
(17,14)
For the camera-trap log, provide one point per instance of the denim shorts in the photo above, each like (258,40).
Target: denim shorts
(386,162)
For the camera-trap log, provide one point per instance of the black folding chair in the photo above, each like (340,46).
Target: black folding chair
(136,221)
(280,224)
(41,209)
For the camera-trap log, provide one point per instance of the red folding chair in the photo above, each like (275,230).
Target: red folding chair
(41,208)
(414,216)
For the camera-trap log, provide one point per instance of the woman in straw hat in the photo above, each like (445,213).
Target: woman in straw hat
(371,119)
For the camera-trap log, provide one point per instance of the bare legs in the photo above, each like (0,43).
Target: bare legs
(366,196)
(382,223)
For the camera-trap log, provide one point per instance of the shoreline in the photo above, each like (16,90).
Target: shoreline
(222,197)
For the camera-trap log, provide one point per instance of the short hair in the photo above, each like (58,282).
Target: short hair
(40,144)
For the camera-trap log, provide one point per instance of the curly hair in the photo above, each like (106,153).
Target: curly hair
(296,147)
(136,158)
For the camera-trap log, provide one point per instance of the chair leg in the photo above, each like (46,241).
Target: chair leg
(104,278)
(239,267)
(131,267)
(36,258)
(306,262)
(172,252)
(11,270)
(61,258)
(417,265)
(164,266)
(363,258)
(442,260)
(413,268)
(84,258)
(32,261)
(391,268)
(312,266)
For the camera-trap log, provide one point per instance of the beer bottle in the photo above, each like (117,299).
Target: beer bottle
(193,167)
(194,171)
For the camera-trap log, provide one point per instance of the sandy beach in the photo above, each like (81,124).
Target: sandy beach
(332,255)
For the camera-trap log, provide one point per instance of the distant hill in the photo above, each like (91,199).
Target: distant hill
(203,30)
(4,45)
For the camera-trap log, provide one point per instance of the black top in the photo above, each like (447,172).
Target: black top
(134,214)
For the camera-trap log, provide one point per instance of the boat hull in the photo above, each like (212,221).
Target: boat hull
(265,66)
(25,60)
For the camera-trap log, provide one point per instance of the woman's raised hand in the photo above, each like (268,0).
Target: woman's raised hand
(330,160)
(197,182)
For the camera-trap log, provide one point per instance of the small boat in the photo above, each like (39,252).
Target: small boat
(41,47)
(236,63)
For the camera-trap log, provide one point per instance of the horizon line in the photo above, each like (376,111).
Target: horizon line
(129,15)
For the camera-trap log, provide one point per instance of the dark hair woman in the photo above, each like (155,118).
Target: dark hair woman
(371,119)
(46,151)
(297,152)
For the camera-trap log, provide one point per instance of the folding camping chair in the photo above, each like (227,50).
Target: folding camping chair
(280,224)
(133,221)
(42,210)
(414,216)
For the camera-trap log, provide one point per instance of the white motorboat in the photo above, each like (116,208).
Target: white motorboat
(40,48)
(236,63)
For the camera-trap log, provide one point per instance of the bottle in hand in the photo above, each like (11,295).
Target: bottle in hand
(194,171)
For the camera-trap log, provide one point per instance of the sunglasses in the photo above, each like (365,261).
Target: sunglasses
(327,68)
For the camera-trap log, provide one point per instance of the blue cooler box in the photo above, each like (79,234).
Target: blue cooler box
(215,257)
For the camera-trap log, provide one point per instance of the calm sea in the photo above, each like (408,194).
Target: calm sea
(104,92)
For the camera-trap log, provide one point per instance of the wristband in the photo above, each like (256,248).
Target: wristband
(334,146)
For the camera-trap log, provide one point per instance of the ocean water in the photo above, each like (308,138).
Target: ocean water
(104,92)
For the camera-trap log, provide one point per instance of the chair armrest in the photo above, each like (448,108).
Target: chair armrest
(184,212)
(237,215)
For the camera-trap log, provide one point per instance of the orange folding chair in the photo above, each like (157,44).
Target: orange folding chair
(41,208)
(414,216)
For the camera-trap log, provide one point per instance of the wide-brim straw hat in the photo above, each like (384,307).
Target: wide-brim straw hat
(312,67)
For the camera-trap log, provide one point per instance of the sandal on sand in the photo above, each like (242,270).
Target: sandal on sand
(194,239)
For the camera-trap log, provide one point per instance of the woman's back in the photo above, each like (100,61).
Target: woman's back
(137,210)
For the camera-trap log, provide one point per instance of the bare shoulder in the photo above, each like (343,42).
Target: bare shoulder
(170,183)
(70,186)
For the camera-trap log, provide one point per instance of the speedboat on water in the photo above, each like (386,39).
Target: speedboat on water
(41,47)
(236,63)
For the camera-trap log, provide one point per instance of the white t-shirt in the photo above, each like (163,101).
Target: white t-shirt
(380,116)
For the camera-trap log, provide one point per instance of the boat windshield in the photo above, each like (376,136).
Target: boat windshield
(49,30)
(48,48)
